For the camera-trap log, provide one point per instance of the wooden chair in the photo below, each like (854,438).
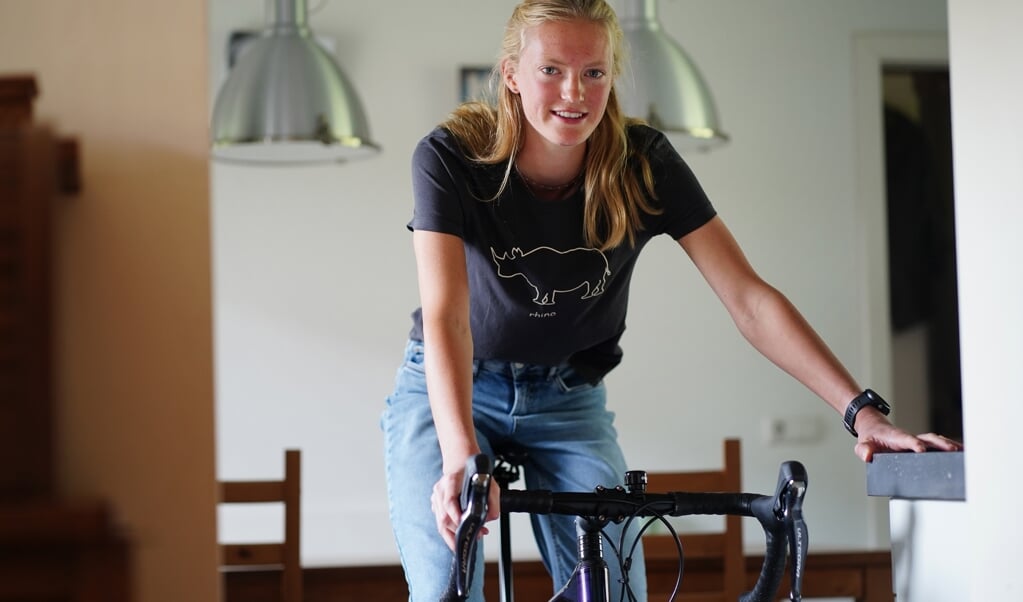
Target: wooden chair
(724,547)
(284,554)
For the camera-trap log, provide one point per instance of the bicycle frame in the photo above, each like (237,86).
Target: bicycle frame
(590,579)
(780,516)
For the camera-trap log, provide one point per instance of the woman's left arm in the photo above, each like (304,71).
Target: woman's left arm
(776,329)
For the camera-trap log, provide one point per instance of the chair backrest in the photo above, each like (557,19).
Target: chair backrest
(285,554)
(724,546)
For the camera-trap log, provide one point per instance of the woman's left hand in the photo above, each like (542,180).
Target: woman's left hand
(878,435)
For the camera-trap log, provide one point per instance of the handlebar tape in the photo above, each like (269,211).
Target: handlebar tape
(616,504)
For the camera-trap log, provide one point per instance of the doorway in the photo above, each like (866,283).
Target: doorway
(885,366)
(923,300)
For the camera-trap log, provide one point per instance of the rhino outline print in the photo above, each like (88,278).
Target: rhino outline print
(590,270)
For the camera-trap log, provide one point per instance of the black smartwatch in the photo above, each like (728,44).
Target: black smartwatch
(864,399)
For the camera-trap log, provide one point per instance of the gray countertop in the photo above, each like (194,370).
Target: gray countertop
(917,476)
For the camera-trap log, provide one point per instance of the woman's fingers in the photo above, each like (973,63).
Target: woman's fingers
(892,439)
(940,442)
(494,502)
(447,507)
(444,501)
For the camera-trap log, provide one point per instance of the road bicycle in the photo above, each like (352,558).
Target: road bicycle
(780,515)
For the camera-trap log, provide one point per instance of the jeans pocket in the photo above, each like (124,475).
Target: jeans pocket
(570,380)
(414,359)
(410,377)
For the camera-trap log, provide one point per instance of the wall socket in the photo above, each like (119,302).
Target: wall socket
(777,430)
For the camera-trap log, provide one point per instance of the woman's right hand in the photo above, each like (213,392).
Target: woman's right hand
(447,508)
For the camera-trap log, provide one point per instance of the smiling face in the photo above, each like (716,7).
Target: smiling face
(563,78)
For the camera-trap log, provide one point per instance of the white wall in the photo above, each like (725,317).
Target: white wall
(974,546)
(931,538)
(986,125)
(314,276)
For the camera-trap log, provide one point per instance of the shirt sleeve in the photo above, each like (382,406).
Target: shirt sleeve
(436,185)
(685,205)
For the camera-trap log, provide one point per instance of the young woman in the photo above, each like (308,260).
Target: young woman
(529,217)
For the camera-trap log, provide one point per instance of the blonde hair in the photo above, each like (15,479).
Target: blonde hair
(615,197)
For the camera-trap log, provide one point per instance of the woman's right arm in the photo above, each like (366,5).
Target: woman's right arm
(444,295)
(447,340)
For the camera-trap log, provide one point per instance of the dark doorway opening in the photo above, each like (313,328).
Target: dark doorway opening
(921,234)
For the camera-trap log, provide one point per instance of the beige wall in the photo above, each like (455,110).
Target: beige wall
(127,78)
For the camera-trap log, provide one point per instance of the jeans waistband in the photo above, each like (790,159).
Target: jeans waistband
(503,367)
(516,369)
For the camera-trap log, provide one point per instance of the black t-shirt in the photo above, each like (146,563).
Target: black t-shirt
(538,294)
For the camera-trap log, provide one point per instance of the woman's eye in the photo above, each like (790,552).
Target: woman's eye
(548,70)
(595,73)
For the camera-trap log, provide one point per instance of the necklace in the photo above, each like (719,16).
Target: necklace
(548,187)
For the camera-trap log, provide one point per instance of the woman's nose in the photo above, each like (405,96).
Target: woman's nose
(573,90)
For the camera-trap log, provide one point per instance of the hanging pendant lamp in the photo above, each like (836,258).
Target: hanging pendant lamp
(286,100)
(662,85)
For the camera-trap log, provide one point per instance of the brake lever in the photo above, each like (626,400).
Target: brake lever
(473,498)
(797,552)
(788,508)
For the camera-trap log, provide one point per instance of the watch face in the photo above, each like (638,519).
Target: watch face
(866,398)
(877,401)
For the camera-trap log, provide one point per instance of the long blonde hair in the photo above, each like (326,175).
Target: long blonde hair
(615,197)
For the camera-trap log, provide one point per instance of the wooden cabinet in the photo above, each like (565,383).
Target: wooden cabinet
(61,552)
(51,550)
(27,190)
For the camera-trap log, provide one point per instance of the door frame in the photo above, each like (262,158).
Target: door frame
(872,51)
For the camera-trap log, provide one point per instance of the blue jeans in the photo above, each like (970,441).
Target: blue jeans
(557,418)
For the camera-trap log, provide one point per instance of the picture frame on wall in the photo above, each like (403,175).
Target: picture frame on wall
(475,83)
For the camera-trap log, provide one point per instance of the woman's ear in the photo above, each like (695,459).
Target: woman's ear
(508,76)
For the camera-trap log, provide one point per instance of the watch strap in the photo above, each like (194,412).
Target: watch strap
(864,399)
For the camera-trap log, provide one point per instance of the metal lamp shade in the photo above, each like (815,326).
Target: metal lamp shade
(287,101)
(662,85)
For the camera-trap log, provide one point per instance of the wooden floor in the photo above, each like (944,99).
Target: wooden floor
(864,576)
